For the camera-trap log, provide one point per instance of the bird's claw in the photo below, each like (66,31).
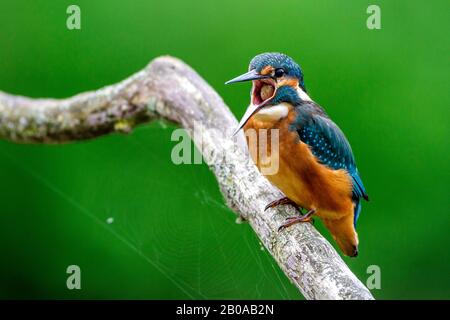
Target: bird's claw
(281,201)
(289,221)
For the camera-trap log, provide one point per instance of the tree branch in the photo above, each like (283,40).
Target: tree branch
(167,88)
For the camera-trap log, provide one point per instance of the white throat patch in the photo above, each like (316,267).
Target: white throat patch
(303,95)
(272,113)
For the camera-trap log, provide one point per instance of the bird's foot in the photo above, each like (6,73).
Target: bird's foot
(284,200)
(297,219)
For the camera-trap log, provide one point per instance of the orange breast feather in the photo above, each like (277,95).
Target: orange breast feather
(300,176)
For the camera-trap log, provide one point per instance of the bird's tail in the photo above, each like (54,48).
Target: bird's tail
(344,233)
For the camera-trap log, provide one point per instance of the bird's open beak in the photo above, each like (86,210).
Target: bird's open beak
(251,75)
(250,111)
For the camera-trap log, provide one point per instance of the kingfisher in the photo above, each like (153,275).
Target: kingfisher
(317,171)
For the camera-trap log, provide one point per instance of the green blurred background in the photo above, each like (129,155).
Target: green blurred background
(172,235)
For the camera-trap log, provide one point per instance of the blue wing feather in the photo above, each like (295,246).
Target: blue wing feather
(329,144)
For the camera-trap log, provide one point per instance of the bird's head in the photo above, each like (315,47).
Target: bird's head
(276,78)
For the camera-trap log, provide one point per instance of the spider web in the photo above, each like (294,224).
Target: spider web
(205,254)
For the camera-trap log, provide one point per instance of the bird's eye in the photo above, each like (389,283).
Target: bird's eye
(279,72)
